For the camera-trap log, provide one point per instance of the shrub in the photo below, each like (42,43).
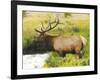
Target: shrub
(75,29)
(55,60)
(67,15)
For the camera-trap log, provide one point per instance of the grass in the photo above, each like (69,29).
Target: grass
(75,24)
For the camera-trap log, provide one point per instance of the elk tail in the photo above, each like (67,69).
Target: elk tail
(84,41)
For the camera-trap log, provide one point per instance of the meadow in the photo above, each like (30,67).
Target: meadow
(73,24)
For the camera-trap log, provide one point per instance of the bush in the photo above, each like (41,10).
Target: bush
(67,15)
(75,29)
(55,60)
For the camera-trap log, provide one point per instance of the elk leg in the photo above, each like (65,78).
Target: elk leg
(61,54)
(77,51)
(81,53)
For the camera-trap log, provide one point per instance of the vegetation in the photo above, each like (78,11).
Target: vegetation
(67,14)
(73,24)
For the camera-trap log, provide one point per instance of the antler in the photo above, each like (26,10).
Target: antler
(49,26)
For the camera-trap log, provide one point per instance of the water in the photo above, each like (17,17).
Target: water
(34,61)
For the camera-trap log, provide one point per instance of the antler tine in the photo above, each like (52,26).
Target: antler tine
(57,18)
(42,26)
(57,22)
(53,21)
(49,22)
(37,31)
(49,25)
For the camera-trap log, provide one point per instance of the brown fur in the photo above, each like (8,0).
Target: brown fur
(63,45)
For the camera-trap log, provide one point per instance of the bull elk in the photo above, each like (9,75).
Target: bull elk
(60,43)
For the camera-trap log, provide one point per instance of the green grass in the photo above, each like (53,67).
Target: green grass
(76,24)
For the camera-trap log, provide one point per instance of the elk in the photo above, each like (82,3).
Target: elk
(61,44)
